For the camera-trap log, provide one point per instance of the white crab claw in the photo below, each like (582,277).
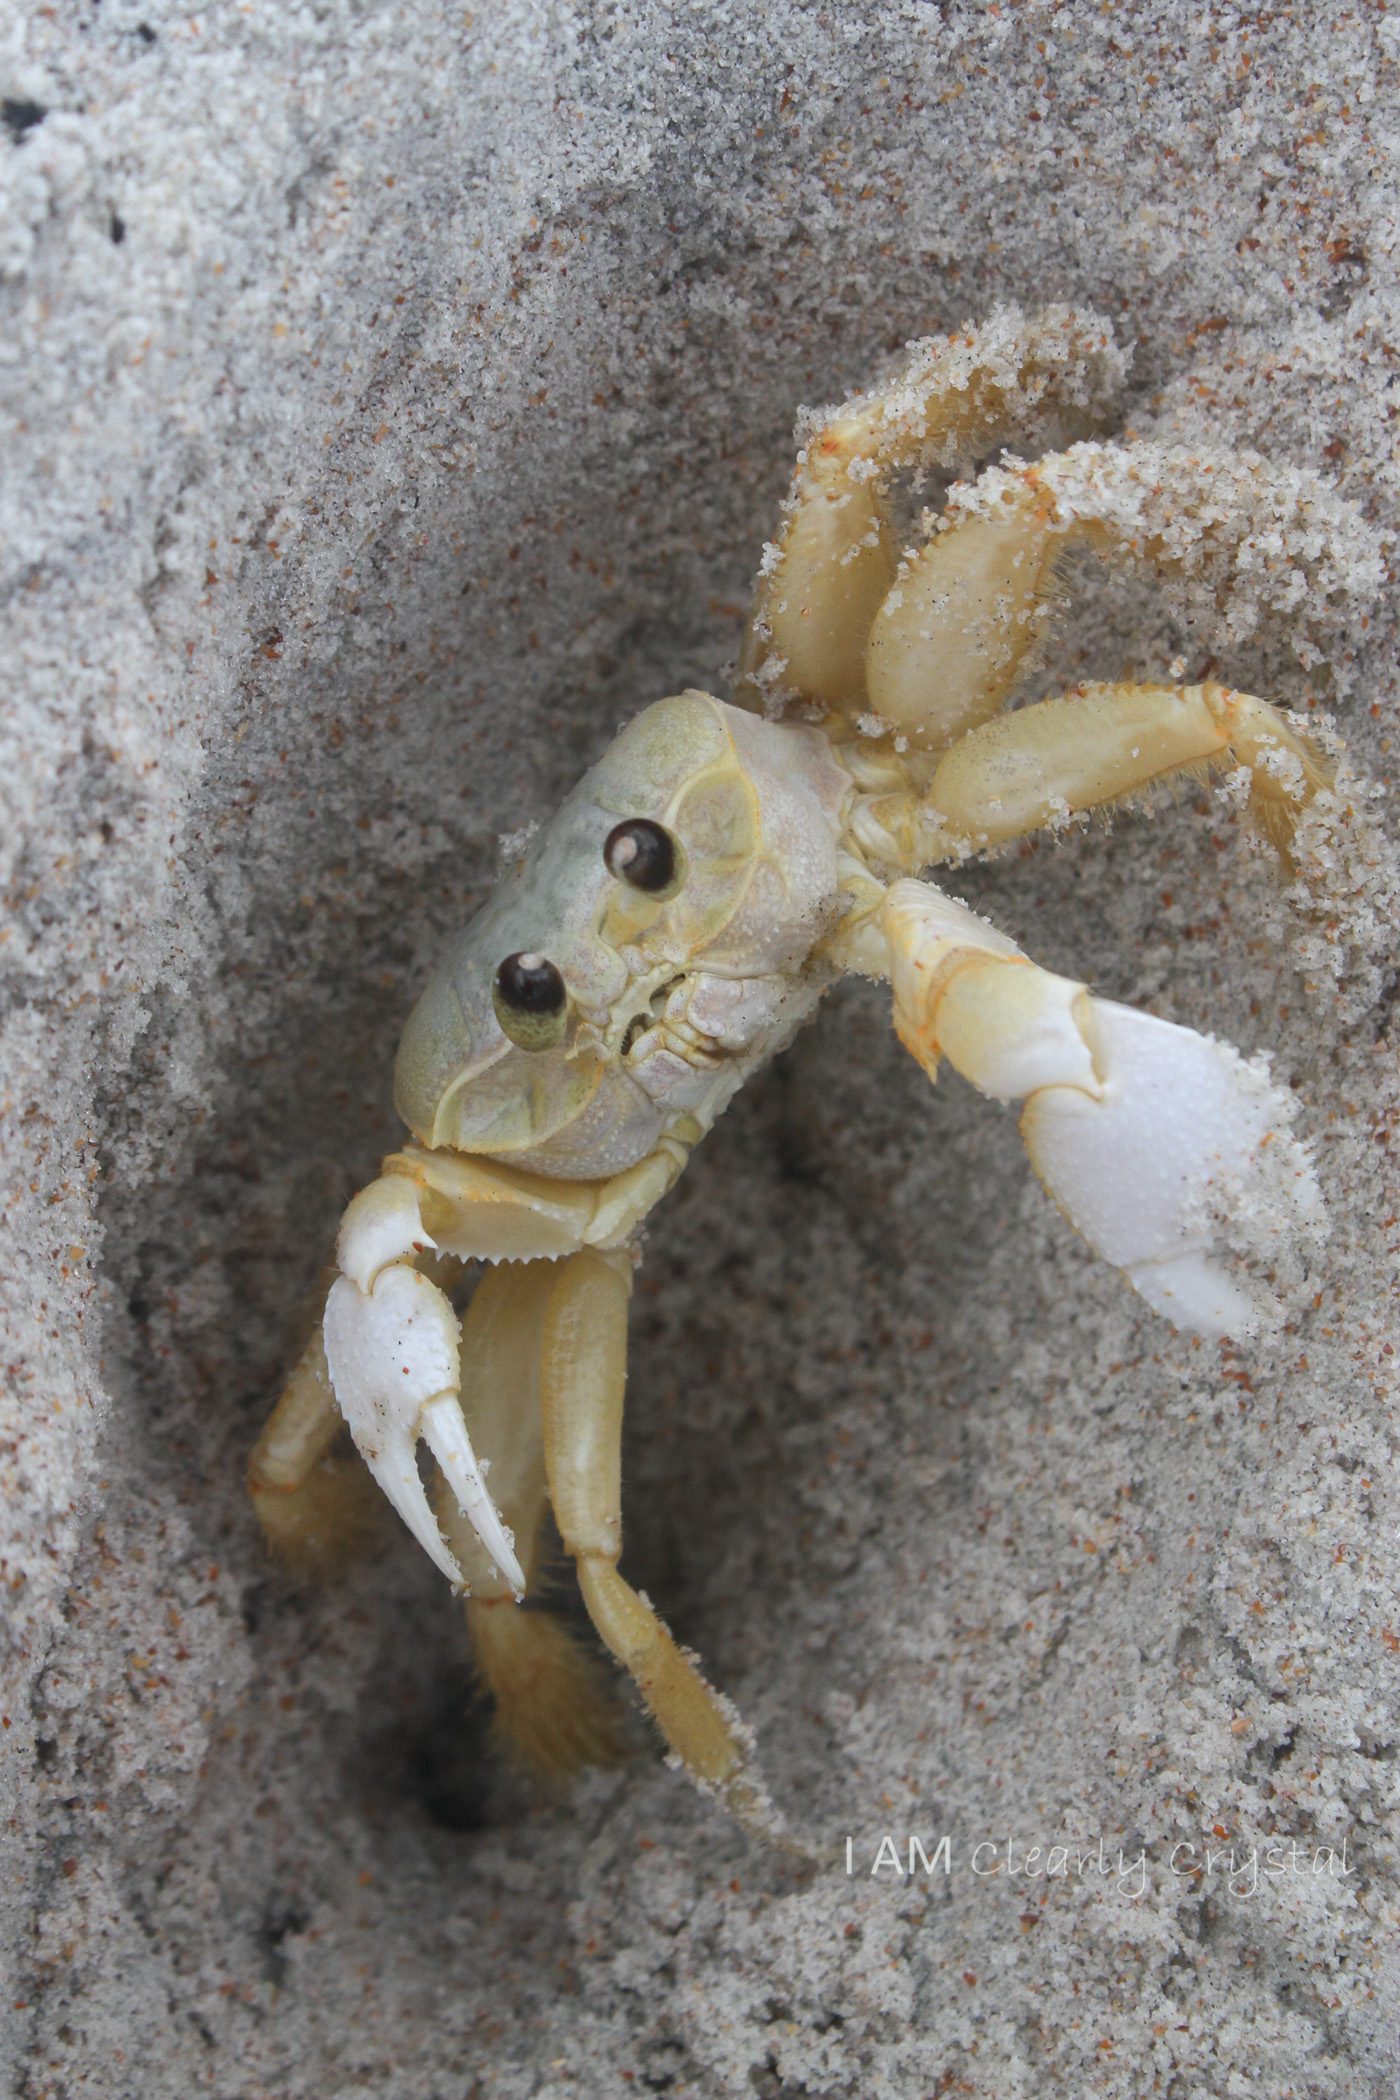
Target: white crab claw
(392,1354)
(1182,1134)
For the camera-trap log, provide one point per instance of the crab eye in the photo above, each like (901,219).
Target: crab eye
(530,1001)
(642,854)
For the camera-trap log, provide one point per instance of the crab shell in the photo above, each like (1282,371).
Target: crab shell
(673,999)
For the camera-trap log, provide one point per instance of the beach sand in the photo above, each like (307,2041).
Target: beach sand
(401,399)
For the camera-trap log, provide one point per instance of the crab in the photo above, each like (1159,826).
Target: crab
(681,917)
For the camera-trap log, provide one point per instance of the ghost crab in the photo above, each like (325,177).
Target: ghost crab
(681,917)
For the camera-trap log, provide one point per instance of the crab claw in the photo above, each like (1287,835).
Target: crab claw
(392,1353)
(1163,1147)
(1182,1137)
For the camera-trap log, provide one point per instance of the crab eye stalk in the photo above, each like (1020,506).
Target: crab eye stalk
(531,1003)
(641,854)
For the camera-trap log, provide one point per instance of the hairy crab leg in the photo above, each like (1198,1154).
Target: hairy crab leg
(551,1704)
(1106,743)
(966,610)
(301,1428)
(954,632)
(584,1372)
(312,1507)
(952,401)
(1143,1132)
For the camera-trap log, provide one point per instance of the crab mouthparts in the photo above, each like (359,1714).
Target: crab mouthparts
(652,1018)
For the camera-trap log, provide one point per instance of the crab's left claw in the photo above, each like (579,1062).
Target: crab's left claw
(1162,1146)
(1183,1138)
(393,1356)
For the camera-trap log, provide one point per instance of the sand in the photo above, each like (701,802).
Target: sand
(396,399)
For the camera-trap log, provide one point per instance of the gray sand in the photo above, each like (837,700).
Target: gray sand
(401,397)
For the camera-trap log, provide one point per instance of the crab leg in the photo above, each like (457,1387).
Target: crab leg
(301,1429)
(953,635)
(933,640)
(954,398)
(550,1703)
(1102,744)
(584,1371)
(1142,1131)
(311,1506)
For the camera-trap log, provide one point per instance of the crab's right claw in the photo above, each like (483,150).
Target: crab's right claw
(393,1357)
